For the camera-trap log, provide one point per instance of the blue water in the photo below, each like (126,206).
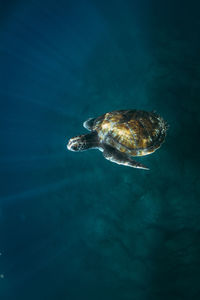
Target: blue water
(73,225)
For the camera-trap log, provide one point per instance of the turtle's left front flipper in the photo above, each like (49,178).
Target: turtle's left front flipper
(120,158)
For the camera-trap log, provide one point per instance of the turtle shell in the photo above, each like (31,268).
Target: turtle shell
(135,132)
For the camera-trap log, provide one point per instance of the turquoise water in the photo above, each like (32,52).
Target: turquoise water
(73,225)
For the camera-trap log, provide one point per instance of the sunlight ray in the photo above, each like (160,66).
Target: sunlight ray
(55,108)
(36,192)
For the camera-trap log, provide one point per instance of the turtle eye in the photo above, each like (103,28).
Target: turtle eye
(74,146)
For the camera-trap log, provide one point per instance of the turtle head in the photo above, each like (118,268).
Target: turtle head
(77,143)
(83,142)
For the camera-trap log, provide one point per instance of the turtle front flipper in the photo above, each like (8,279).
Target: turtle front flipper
(120,158)
(88,124)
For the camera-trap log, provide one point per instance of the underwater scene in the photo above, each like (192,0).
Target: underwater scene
(84,225)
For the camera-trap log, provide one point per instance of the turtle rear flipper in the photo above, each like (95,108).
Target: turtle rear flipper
(120,158)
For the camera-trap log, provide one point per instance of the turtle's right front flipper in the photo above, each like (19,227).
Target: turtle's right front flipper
(120,158)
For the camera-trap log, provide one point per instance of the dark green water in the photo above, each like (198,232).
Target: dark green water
(74,226)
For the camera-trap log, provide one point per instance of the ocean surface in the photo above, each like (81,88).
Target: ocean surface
(74,226)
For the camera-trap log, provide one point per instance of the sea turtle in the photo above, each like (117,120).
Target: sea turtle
(121,134)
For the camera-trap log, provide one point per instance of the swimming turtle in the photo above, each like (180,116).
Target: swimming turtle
(121,134)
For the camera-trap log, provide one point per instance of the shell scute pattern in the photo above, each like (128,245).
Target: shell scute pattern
(131,131)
